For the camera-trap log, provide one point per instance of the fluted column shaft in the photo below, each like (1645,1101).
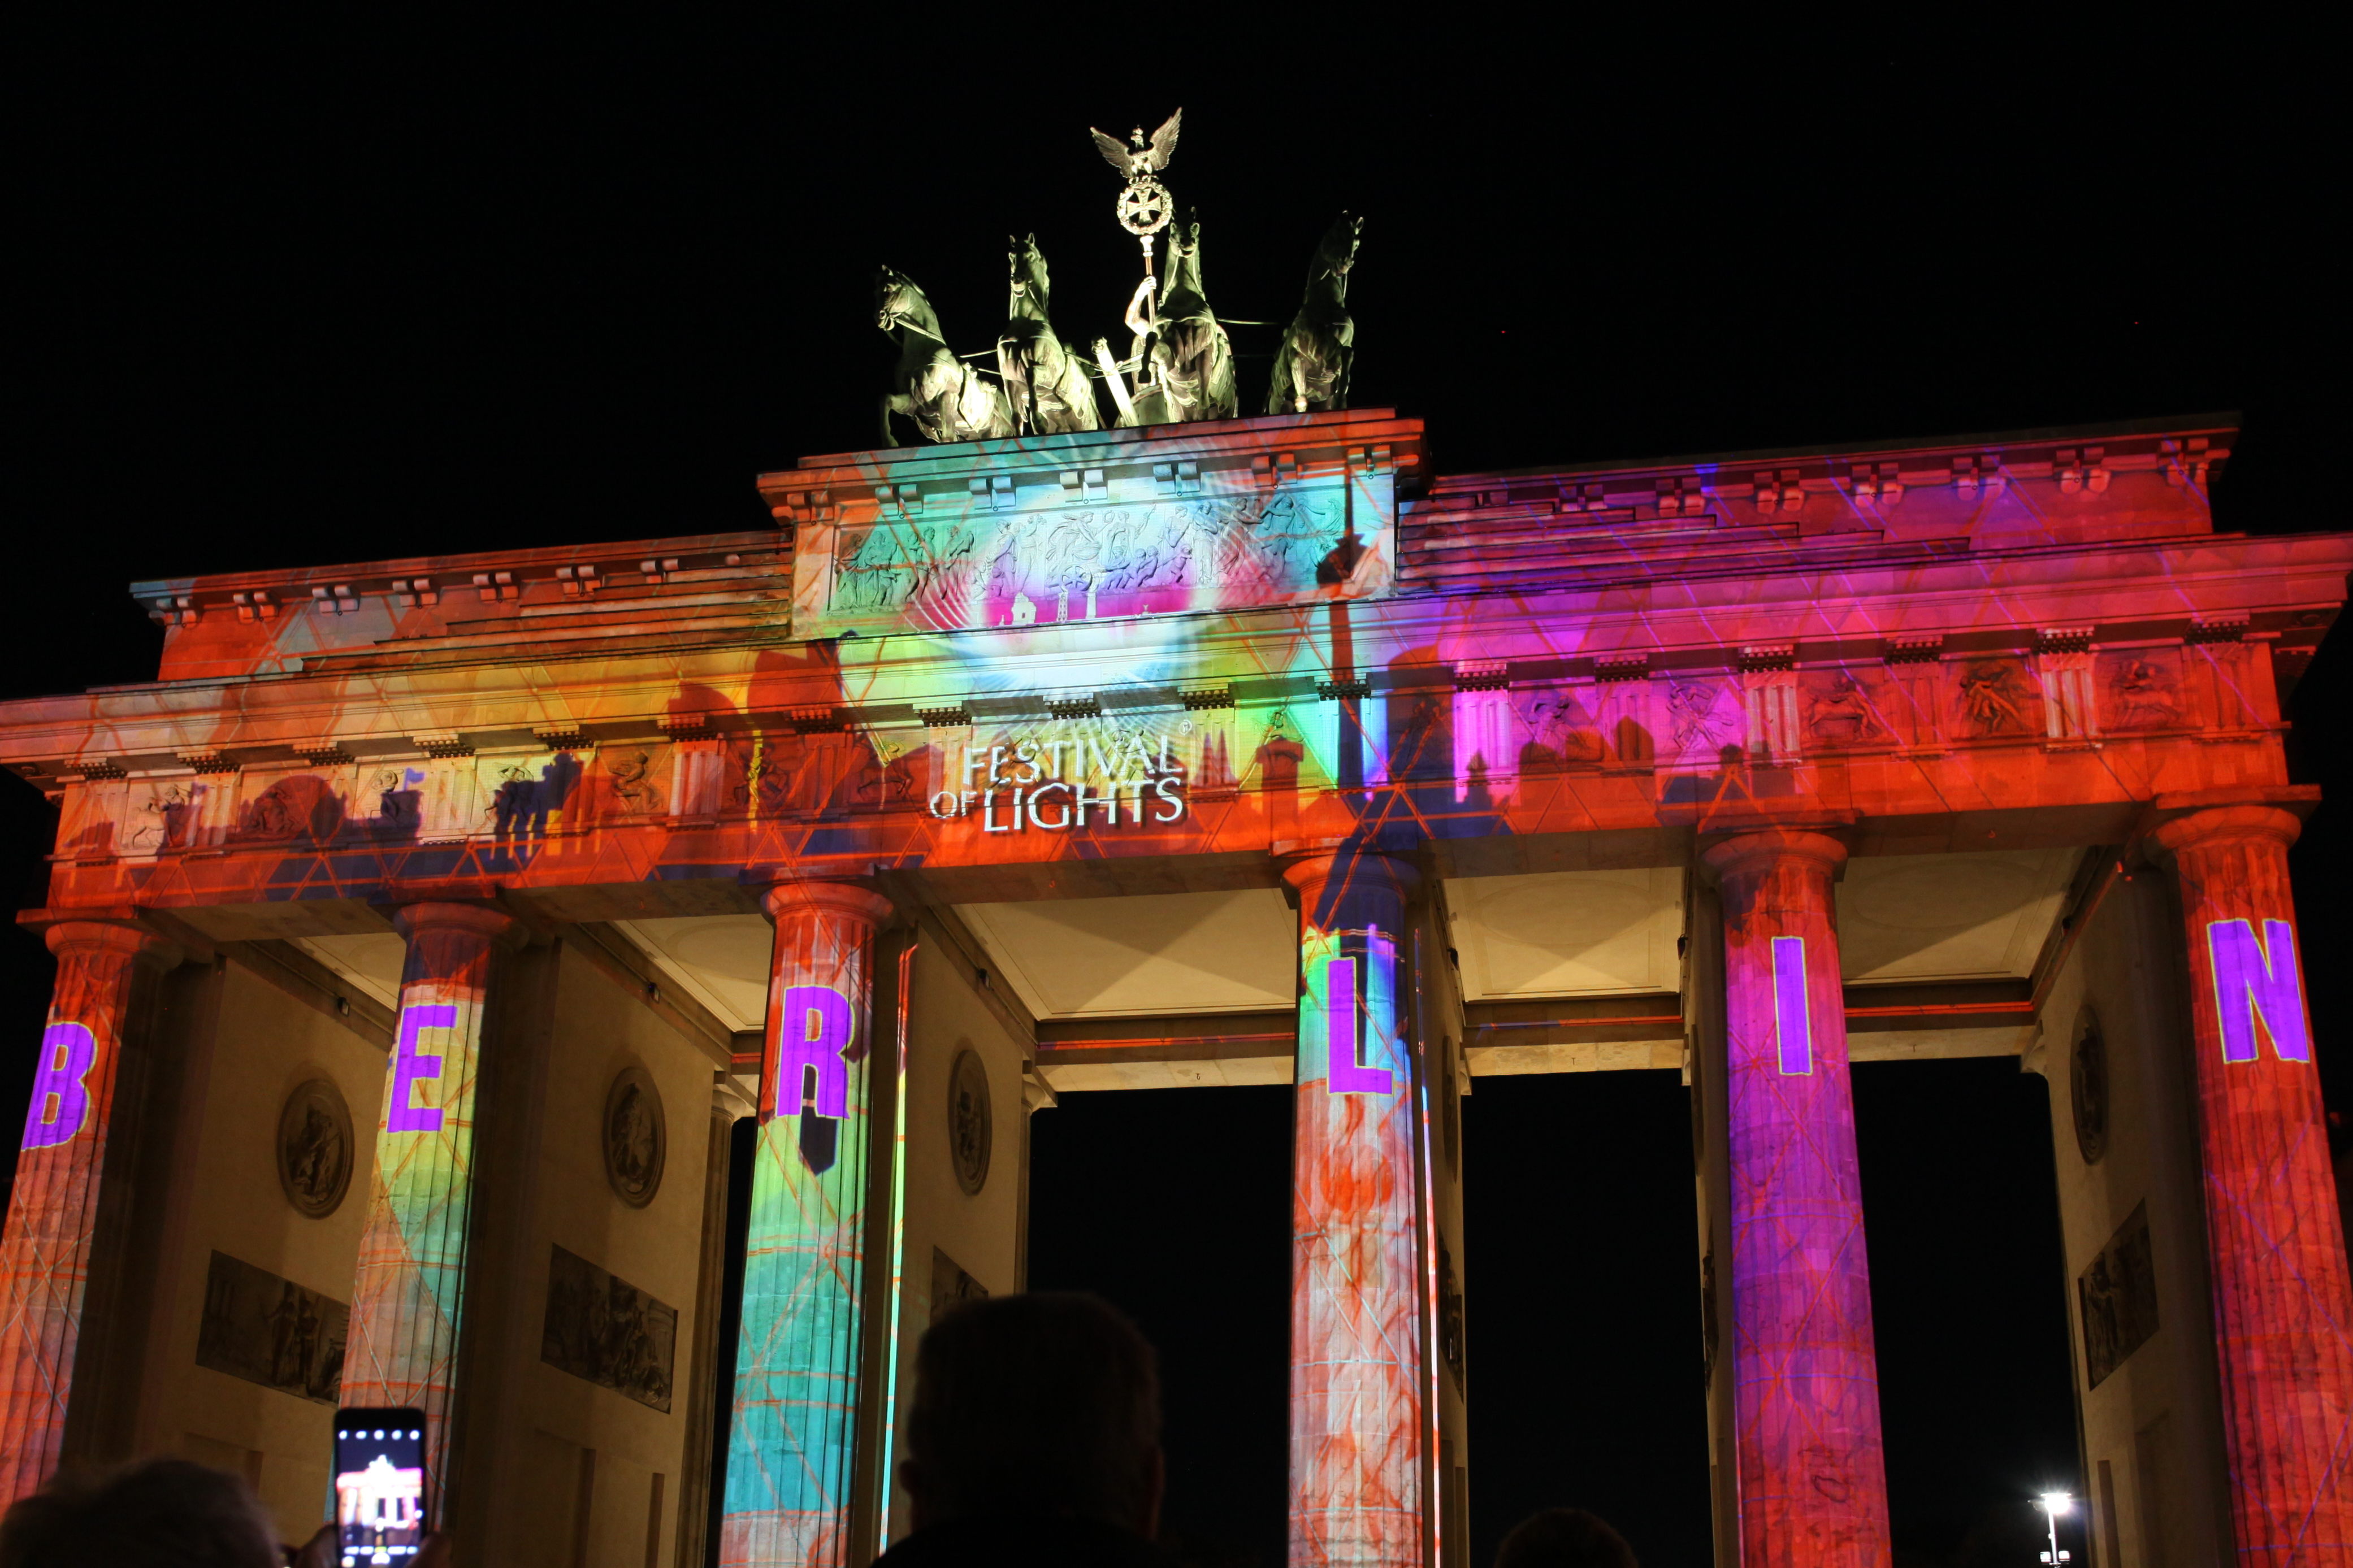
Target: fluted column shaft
(2283,1304)
(407,1297)
(1358,1426)
(1812,1473)
(792,1445)
(45,1253)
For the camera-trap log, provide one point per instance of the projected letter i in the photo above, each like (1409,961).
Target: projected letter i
(1791,1026)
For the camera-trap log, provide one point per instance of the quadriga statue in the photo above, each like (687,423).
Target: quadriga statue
(1046,385)
(1311,369)
(947,400)
(1192,362)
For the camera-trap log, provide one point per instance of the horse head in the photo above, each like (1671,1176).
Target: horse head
(1338,253)
(1183,258)
(898,302)
(1027,265)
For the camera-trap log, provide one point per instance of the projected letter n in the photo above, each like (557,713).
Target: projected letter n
(812,1031)
(1791,1027)
(2252,984)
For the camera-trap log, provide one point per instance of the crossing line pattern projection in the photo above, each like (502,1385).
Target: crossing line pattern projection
(792,1445)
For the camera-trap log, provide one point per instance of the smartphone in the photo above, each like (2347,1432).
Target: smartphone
(379,1485)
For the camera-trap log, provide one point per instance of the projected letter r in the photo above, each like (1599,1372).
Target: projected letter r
(812,1031)
(67,1053)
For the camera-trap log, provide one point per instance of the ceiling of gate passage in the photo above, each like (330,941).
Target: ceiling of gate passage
(1905,918)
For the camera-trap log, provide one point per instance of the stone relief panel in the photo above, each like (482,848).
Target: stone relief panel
(960,567)
(271,1331)
(951,1287)
(1994,698)
(1848,707)
(2117,1298)
(1558,729)
(316,1149)
(634,1137)
(605,1329)
(2139,689)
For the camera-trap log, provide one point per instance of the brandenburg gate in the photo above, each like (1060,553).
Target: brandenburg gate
(425,926)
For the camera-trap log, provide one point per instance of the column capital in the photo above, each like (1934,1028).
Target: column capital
(1753,853)
(2221,825)
(490,923)
(104,932)
(853,901)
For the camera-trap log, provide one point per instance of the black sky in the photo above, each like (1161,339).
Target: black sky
(333,286)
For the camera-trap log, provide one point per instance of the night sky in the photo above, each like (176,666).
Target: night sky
(328,286)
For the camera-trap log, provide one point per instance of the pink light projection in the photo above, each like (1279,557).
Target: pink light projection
(2282,1294)
(1812,1479)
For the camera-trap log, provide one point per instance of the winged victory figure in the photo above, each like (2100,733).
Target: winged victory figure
(1140,162)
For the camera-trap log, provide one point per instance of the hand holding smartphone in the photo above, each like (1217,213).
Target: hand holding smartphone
(379,1486)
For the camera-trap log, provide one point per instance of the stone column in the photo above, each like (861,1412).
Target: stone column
(407,1297)
(1360,1430)
(2282,1305)
(45,1254)
(792,1447)
(1812,1477)
(728,1107)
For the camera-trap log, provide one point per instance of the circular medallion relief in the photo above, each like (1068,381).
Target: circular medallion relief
(969,1124)
(634,1137)
(2088,1080)
(315,1148)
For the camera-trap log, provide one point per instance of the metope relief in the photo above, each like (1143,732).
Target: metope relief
(1843,709)
(1993,697)
(1560,730)
(966,569)
(2140,690)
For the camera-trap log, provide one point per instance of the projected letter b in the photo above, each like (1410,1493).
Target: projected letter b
(812,1031)
(67,1053)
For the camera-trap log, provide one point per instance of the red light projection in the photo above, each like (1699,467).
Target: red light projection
(2282,1294)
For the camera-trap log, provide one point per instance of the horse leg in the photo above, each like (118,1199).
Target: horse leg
(894,403)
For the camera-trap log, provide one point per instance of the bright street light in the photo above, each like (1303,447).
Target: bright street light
(2054,1504)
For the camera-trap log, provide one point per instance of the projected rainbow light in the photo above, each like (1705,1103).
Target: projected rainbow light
(409,1295)
(1271,643)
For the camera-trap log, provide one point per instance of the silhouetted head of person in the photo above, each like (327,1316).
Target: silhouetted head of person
(162,1513)
(1045,1405)
(1564,1538)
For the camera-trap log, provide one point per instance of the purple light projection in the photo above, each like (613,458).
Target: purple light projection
(1348,1074)
(2252,984)
(409,1068)
(814,1026)
(1790,1028)
(67,1053)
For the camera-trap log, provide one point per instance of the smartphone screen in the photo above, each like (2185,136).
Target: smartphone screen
(379,1485)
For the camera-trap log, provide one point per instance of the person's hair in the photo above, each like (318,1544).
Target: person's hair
(1044,1404)
(162,1513)
(1564,1538)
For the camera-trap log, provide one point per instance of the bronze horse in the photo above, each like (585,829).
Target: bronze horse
(1311,369)
(947,400)
(1192,362)
(1044,382)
